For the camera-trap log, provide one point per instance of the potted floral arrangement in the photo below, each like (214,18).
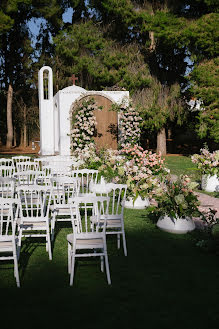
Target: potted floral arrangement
(176,205)
(140,170)
(208,163)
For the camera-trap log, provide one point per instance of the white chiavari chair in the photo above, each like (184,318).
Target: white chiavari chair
(7,187)
(34,214)
(8,239)
(87,176)
(88,240)
(6,171)
(64,189)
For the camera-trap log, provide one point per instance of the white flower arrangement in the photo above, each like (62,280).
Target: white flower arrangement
(129,125)
(83,124)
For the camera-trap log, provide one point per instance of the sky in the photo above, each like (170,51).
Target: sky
(35,23)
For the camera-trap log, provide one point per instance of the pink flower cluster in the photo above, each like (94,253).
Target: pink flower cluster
(143,169)
(143,162)
(207,162)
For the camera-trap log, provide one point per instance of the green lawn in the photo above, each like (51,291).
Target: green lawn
(164,282)
(182,165)
(179,165)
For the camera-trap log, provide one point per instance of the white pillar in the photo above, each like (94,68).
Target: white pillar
(46,112)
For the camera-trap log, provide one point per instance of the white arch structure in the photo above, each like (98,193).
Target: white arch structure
(55,112)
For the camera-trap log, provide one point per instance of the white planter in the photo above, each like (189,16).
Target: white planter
(210,183)
(177,226)
(138,204)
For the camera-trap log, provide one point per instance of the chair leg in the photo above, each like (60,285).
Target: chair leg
(52,228)
(69,258)
(19,244)
(107,269)
(16,272)
(101,264)
(106,263)
(49,246)
(124,243)
(72,269)
(118,241)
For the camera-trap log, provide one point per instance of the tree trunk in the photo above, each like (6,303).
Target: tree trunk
(152,39)
(15,138)
(25,126)
(22,138)
(161,142)
(9,117)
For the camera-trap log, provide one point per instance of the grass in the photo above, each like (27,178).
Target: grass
(164,282)
(182,165)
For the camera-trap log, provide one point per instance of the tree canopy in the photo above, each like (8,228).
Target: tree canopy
(163,51)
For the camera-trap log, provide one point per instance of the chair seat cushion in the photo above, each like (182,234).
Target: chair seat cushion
(88,241)
(33,225)
(6,246)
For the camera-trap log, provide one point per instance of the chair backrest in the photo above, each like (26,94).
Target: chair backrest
(6,171)
(64,189)
(87,176)
(6,162)
(7,217)
(20,158)
(94,207)
(7,187)
(28,177)
(53,171)
(34,201)
(117,198)
(26,165)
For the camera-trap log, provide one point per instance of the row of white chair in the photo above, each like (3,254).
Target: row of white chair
(58,194)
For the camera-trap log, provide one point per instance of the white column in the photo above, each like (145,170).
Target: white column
(46,112)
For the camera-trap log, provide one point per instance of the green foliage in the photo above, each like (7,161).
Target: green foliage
(215,231)
(202,36)
(177,199)
(100,62)
(160,105)
(205,87)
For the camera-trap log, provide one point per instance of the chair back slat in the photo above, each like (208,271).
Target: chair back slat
(28,177)
(34,201)
(6,171)
(92,207)
(27,165)
(118,196)
(64,189)
(7,224)
(7,187)
(87,177)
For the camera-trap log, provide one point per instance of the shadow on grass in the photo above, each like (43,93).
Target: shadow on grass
(164,282)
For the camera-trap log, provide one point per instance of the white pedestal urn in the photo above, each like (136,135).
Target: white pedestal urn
(210,183)
(176,226)
(138,204)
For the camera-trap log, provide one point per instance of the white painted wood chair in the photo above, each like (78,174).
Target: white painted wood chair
(88,240)
(87,176)
(28,177)
(7,187)
(6,171)
(34,214)
(26,166)
(64,189)
(54,171)
(8,239)
(115,216)
(20,158)
(6,162)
